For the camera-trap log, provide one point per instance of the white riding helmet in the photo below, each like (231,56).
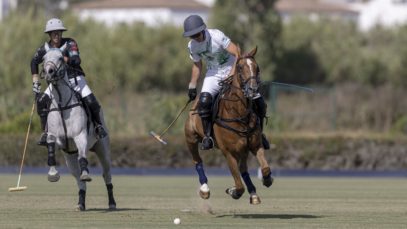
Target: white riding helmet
(54,24)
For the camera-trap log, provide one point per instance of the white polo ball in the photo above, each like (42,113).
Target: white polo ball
(177,221)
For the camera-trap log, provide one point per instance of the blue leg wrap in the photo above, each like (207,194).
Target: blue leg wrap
(200,170)
(248,182)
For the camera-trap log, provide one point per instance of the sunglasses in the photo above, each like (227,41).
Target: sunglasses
(195,36)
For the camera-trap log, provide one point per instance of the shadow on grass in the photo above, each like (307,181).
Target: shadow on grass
(270,216)
(104,210)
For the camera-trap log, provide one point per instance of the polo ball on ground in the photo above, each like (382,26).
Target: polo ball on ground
(177,221)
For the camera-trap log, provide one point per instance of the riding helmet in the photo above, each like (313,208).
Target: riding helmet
(54,24)
(193,24)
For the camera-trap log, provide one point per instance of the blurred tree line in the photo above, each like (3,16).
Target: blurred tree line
(137,58)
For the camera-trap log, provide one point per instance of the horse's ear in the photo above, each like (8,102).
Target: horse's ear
(253,52)
(46,46)
(63,47)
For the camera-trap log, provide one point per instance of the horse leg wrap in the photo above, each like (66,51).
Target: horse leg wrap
(200,170)
(112,202)
(83,164)
(249,184)
(267,179)
(51,154)
(82,200)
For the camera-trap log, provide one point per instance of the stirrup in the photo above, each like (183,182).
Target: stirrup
(100,132)
(207,143)
(43,139)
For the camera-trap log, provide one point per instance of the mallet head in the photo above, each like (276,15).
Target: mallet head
(16,189)
(158,137)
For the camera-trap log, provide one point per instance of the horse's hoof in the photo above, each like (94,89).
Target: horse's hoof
(80,208)
(53,177)
(268,181)
(234,193)
(112,207)
(204,195)
(254,199)
(204,192)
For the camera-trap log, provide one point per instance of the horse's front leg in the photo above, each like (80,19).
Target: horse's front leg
(237,191)
(71,161)
(254,198)
(267,179)
(81,142)
(53,174)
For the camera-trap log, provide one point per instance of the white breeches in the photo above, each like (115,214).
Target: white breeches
(213,77)
(82,87)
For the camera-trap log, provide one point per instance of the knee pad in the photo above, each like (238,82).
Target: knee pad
(205,104)
(43,103)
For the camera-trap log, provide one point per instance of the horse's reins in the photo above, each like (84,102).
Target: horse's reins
(61,108)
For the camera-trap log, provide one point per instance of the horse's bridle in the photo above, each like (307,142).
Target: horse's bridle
(248,91)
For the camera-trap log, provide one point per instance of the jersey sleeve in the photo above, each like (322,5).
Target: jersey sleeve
(37,60)
(73,49)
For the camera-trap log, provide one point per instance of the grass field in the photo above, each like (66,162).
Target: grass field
(154,201)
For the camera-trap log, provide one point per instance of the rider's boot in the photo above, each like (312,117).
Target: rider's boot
(43,102)
(94,108)
(261,110)
(204,110)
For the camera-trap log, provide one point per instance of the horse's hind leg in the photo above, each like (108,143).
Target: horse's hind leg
(192,144)
(267,179)
(73,166)
(254,198)
(102,150)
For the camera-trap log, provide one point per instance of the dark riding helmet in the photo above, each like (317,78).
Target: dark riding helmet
(193,24)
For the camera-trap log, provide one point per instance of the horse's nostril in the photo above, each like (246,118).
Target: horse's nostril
(50,71)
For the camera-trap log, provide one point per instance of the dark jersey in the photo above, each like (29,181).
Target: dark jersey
(71,50)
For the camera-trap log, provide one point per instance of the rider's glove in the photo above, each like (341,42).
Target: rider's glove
(192,94)
(36,87)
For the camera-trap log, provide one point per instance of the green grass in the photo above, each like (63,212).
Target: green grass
(154,201)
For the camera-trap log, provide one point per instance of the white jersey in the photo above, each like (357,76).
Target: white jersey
(212,49)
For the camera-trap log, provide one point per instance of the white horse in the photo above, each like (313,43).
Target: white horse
(70,130)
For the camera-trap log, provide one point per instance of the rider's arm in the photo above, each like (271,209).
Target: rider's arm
(234,50)
(196,72)
(35,61)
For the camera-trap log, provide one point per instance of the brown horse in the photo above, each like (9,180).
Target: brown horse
(236,130)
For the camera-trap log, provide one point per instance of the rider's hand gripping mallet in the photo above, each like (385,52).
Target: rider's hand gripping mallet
(159,137)
(18,187)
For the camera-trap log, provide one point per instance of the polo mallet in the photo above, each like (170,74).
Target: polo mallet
(18,187)
(307,89)
(159,137)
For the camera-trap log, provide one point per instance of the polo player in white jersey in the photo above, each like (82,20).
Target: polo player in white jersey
(220,55)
